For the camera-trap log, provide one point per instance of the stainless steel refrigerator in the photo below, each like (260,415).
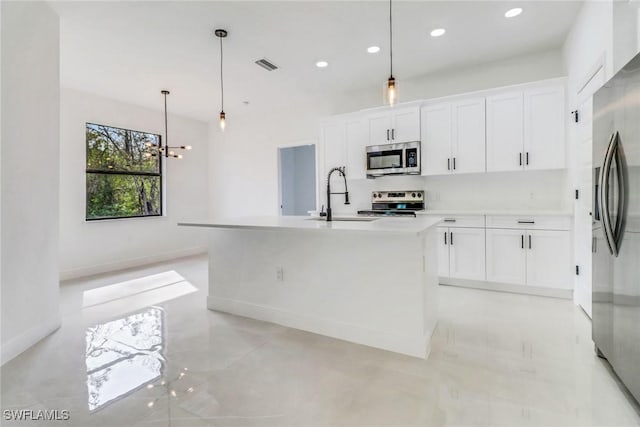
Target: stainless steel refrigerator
(616,224)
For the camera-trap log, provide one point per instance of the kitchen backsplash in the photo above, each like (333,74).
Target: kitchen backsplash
(535,190)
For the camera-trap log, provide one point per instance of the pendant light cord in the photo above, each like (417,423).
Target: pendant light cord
(390,40)
(166,134)
(221,77)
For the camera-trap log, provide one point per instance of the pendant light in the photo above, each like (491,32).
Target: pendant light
(165,150)
(392,94)
(221,34)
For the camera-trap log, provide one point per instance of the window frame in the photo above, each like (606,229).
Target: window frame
(94,171)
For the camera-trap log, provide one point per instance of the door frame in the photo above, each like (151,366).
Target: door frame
(293,144)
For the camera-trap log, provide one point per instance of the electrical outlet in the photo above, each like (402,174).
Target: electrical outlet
(279,274)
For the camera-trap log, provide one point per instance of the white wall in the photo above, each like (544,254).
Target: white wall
(511,71)
(97,246)
(30,169)
(244,158)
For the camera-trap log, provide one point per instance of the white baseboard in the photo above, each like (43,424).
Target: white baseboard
(507,287)
(22,342)
(130,262)
(416,346)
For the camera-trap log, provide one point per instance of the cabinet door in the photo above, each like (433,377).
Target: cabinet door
(506,256)
(467,253)
(505,136)
(333,141)
(379,128)
(406,124)
(436,139)
(356,149)
(549,259)
(544,138)
(443,252)
(468,142)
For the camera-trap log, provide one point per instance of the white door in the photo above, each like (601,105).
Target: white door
(379,129)
(436,139)
(406,125)
(467,253)
(544,120)
(356,141)
(506,256)
(583,221)
(468,139)
(505,132)
(549,259)
(443,252)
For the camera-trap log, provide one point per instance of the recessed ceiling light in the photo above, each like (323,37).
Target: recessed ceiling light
(438,32)
(373,49)
(322,64)
(513,12)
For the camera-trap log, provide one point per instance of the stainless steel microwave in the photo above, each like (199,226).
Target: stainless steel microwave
(393,159)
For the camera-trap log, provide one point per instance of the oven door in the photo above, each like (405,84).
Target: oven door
(385,160)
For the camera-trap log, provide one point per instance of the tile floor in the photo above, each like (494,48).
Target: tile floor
(142,360)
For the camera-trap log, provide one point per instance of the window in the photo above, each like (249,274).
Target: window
(123,180)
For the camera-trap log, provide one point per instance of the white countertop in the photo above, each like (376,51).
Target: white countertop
(398,225)
(496,212)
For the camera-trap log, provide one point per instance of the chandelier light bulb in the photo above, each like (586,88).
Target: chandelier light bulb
(391,91)
(222,120)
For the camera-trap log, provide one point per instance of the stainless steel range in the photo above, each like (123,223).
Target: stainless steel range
(395,203)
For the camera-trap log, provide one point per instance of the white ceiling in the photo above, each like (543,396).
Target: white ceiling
(131,50)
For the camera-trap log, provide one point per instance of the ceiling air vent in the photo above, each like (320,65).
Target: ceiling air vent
(266,64)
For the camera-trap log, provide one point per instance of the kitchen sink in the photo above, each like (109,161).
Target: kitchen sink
(346,218)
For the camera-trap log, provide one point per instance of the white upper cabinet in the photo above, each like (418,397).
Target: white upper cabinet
(505,132)
(406,124)
(436,139)
(379,128)
(453,139)
(356,142)
(398,124)
(468,136)
(544,128)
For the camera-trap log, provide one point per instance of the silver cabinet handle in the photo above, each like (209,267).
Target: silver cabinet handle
(445,237)
(387,134)
(449,164)
(522,241)
(527,156)
(454,163)
(451,238)
(520,158)
(393,134)
(526,222)
(529,241)
(604,194)
(449,220)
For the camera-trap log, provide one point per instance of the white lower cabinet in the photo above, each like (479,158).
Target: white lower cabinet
(461,253)
(506,256)
(549,259)
(538,258)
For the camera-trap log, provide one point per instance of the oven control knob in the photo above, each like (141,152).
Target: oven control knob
(375,195)
(379,195)
(413,195)
(419,195)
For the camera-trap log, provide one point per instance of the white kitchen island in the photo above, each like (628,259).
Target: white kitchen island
(372,283)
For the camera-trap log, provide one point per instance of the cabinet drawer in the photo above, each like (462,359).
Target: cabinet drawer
(530,222)
(455,221)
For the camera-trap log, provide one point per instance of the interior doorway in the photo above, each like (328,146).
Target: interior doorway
(297,176)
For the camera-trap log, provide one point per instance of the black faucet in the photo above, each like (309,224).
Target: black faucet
(340,170)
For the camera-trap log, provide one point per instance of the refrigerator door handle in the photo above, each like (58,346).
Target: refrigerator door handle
(604,195)
(617,231)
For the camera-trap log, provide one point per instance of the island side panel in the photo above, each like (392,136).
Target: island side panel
(368,288)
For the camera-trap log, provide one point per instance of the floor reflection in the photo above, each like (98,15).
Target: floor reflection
(123,355)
